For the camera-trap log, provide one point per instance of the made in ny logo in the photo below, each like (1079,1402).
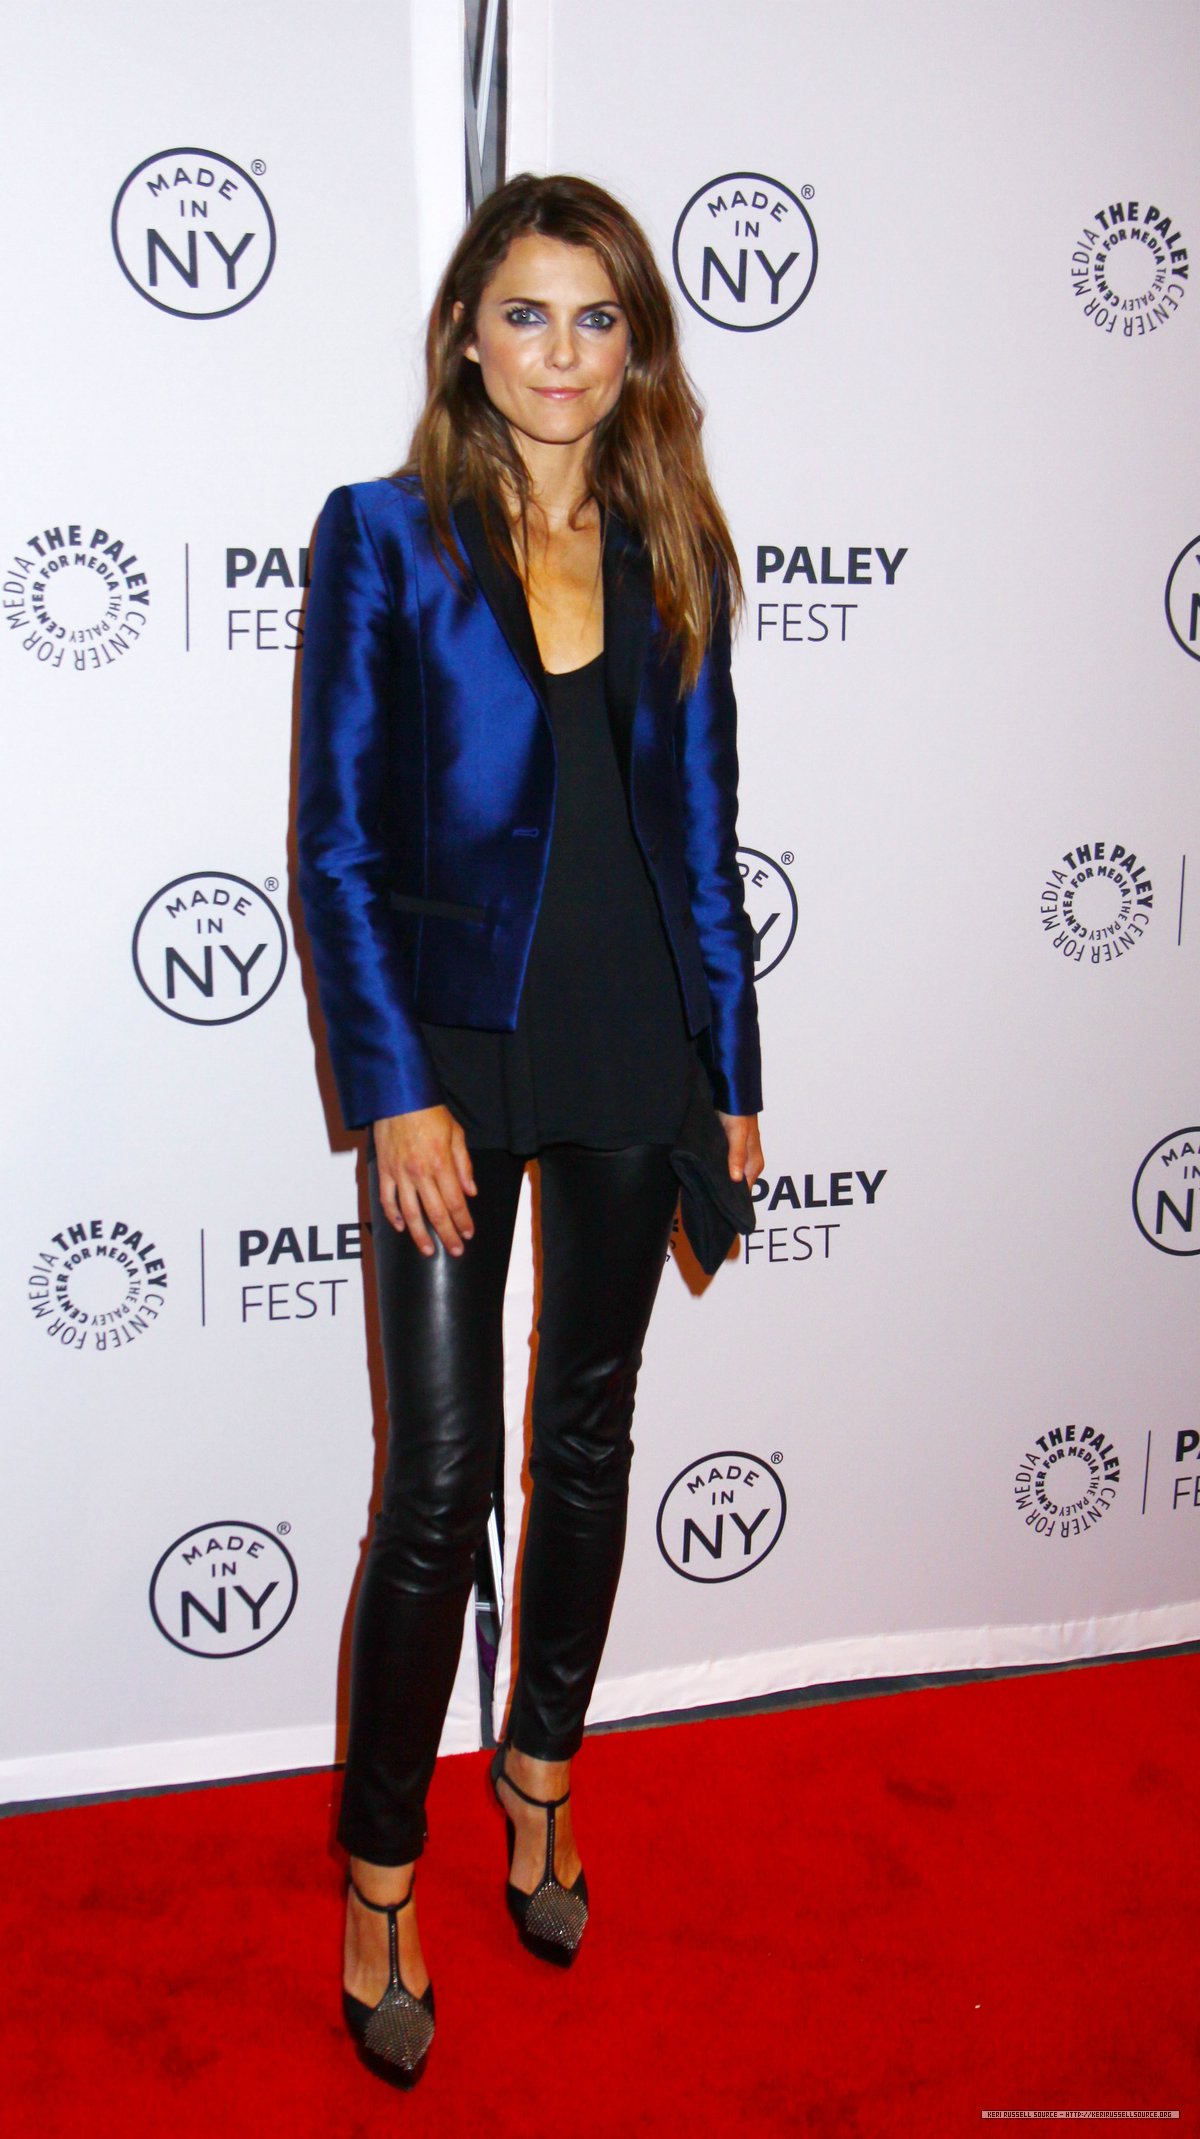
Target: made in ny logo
(1183,599)
(1130,269)
(722,1516)
(224,1589)
(771,906)
(210,948)
(745,251)
(76,596)
(194,233)
(1164,1194)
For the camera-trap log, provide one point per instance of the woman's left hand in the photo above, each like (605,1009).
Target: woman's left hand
(745,1151)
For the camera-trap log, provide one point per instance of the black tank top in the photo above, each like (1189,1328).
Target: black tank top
(600,1055)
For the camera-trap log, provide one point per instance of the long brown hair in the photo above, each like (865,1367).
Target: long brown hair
(645,460)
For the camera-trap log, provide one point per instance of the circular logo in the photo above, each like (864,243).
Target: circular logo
(771,906)
(1067,1481)
(193,233)
(1164,1194)
(745,252)
(76,596)
(99,1285)
(1130,268)
(721,1517)
(223,1589)
(1097,902)
(1183,599)
(210,948)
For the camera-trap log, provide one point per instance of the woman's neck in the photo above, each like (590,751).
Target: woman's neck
(560,500)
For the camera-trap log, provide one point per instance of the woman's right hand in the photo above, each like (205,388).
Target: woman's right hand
(425,1177)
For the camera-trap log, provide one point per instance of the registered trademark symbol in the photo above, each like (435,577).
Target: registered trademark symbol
(778,1456)
(271,883)
(283,1528)
(787,856)
(258,167)
(806,192)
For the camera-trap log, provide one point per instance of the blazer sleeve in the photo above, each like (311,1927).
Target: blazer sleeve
(353,688)
(707,763)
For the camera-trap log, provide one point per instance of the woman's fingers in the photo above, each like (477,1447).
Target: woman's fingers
(745,1150)
(462,1159)
(452,1223)
(389,1200)
(430,1202)
(412,1218)
(425,1176)
(424,1207)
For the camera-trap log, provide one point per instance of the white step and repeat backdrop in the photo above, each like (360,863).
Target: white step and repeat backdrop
(940,1411)
(934,269)
(214,316)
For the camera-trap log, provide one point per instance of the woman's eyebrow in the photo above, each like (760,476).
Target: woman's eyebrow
(542,304)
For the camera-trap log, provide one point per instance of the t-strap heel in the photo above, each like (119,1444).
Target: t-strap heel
(551,1921)
(393,2037)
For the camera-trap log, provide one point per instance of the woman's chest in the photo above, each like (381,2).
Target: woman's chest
(564,588)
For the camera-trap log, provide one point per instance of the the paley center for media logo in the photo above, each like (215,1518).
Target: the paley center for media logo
(1130,268)
(98,1284)
(1097,902)
(76,596)
(1067,1482)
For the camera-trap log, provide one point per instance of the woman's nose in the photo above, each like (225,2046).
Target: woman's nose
(563,353)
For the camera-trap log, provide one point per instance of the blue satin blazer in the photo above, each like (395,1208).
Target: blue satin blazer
(426,803)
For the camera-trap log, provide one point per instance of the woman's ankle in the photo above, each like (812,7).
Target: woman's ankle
(366,1956)
(384,1884)
(541,1778)
(541,1783)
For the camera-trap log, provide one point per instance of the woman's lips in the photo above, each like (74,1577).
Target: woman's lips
(559,393)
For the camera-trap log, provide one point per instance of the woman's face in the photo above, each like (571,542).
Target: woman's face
(551,341)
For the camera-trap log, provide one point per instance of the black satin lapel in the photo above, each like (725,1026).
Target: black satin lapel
(628,607)
(502,590)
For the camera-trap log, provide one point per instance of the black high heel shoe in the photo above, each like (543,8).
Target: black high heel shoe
(551,1921)
(393,2037)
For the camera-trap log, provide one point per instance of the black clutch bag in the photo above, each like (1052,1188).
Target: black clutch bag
(714,1208)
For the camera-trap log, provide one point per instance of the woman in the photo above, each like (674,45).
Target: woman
(525,634)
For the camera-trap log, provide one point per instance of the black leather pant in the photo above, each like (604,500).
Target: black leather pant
(605,1225)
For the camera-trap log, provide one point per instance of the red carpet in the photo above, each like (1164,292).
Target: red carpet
(880,1916)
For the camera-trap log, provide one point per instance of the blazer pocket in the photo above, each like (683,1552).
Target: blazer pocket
(404,902)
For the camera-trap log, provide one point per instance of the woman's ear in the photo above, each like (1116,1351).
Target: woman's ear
(469,349)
